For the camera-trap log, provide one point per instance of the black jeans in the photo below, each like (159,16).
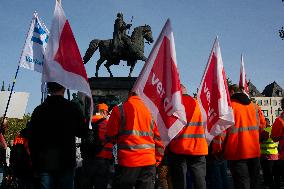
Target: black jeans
(216,176)
(95,173)
(246,173)
(138,177)
(180,164)
(271,173)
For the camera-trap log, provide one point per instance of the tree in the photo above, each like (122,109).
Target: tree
(229,82)
(15,126)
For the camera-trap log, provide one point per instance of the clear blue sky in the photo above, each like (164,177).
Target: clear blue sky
(248,27)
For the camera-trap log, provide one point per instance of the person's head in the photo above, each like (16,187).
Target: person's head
(267,122)
(102,109)
(55,88)
(234,88)
(5,124)
(282,103)
(183,89)
(119,15)
(131,93)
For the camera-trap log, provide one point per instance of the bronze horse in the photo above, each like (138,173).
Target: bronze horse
(131,50)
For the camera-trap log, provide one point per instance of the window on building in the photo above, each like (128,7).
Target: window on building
(274,102)
(259,102)
(278,112)
(266,102)
(279,93)
(265,113)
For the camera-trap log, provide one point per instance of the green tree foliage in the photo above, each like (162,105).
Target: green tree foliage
(14,127)
(229,82)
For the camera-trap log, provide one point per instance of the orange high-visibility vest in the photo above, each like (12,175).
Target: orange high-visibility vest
(138,141)
(277,134)
(243,137)
(106,152)
(191,139)
(19,140)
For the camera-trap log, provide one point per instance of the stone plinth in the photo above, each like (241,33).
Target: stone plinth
(111,90)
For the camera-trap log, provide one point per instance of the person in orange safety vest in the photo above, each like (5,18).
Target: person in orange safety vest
(189,148)
(277,135)
(139,147)
(242,146)
(97,165)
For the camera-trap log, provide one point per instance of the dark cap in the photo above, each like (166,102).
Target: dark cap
(54,87)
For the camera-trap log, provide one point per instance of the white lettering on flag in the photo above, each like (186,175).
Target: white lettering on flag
(33,52)
(158,85)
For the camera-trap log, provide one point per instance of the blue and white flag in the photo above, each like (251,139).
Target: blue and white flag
(33,53)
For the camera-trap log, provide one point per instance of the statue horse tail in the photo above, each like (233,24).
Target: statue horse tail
(93,46)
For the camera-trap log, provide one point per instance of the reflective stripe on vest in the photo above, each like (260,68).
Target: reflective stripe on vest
(191,136)
(268,146)
(257,116)
(135,147)
(234,130)
(242,129)
(122,132)
(136,133)
(193,124)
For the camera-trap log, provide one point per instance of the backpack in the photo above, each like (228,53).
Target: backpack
(91,143)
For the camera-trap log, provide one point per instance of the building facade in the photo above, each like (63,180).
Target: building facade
(270,106)
(269,100)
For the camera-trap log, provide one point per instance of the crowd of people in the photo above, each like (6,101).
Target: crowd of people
(123,149)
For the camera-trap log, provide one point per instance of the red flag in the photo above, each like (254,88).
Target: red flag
(159,86)
(63,63)
(243,84)
(213,96)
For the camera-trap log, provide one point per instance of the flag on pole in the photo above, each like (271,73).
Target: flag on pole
(243,84)
(213,96)
(32,57)
(158,85)
(63,63)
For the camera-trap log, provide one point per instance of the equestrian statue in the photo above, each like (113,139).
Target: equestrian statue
(121,47)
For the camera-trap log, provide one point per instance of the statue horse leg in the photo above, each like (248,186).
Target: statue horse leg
(99,63)
(132,63)
(107,65)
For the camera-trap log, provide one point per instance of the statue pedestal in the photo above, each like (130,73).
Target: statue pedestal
(111,90)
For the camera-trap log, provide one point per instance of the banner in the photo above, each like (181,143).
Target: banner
(32,57)
(213,96)
(243,84)
(158,85)
(17,106)
(63,63)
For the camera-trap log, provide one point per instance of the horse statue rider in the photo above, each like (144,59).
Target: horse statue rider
(120,37)
(121,47)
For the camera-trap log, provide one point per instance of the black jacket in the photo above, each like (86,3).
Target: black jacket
(53,127)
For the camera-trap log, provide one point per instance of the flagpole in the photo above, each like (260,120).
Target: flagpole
(14,82)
